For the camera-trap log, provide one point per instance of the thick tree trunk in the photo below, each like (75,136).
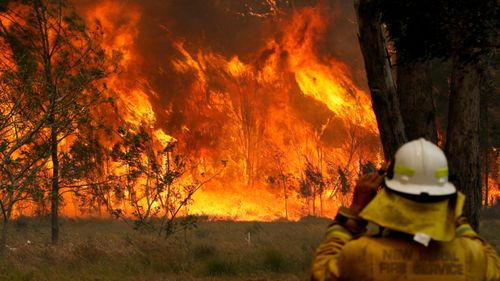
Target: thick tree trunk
(54,197)
(378,70)
(415,100)
(462,142)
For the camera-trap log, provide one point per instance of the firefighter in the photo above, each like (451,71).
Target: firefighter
(416,231)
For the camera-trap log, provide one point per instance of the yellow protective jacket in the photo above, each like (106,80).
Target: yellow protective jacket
(348,253)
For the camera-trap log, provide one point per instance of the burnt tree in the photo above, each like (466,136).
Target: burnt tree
(421,31)
(378,70)
(462,145)
(414,87)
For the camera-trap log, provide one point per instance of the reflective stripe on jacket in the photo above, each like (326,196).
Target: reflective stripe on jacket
(396,257)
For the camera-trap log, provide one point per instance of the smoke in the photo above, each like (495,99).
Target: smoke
(229,28)
(241,80)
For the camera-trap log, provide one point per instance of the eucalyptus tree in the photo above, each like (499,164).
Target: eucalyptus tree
(421,33)
(60,66)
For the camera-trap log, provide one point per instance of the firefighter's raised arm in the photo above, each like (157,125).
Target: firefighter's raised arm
(344,227)
(422,234)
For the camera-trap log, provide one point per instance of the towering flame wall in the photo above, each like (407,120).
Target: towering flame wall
(270,87)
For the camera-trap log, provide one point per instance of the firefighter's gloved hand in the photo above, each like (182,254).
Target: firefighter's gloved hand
(366,188)
(461,220)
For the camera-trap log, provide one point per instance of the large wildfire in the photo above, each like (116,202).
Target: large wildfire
(252,83)
(266,100)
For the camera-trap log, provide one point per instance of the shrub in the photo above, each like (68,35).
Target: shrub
(88,251)
(203,251)
(21,222)
(274,261)
(201,232)
(491,212)
(254,228)
(219,267)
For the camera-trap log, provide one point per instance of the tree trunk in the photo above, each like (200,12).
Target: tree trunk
(486,177)
(462,142)
(378,70)
(6,215)
(321,204)
(415,100)
(485,88)
(55,187)
(314,200)
(3,238)
(285,195)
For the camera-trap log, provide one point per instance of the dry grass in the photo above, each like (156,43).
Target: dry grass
(93,249)
(490,225)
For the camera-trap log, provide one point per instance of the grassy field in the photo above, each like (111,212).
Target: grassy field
(93,249)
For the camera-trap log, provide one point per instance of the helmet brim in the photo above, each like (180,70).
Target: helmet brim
(418,189)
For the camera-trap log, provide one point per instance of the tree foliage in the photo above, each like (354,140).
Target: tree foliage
(53,65)
(462,33)
(440,29)
(158,183)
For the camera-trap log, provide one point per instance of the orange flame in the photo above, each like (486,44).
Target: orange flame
(262,125)
(269,114)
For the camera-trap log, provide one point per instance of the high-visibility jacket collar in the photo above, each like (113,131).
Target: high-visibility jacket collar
(437,220)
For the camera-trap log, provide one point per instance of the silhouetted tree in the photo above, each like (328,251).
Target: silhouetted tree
(460,32)
(65,65)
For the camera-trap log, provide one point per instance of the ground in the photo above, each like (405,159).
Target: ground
(96,249)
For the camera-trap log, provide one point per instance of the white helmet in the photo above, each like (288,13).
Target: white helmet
(420,167)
